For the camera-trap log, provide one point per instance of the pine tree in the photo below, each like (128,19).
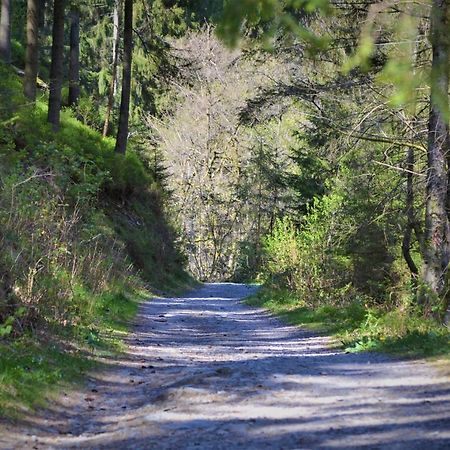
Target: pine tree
(122,134)
(32,53)
(5,31)
(437,227)
(56,68)
(74,60)
(114,60)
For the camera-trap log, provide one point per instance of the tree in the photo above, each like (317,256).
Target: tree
(122,133)
(219,170)
(56,67)
(437,228)
(74,60)
(114,60)
(5,31)
(32,52)
(399,73)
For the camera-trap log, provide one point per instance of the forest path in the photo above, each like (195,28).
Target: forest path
(208,372)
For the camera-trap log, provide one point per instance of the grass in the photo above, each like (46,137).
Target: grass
(357,327)
(31,370)
(35,367)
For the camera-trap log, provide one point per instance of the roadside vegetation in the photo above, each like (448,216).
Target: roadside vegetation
(83,240)
(315,277)
(358,327)
(300,144)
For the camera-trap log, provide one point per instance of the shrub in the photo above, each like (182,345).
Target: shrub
(310,260)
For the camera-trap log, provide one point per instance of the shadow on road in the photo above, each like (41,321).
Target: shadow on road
(206,371)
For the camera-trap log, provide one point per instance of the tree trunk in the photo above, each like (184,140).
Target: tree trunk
(74,63)
(56,67)
(437,232)
(32,53)
(410,216)
(122,134)
(5,31)
(113,84)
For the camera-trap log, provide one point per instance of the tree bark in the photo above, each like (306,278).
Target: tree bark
(410,216)
(32,52)
(74,62)
(56,67)
(122,134)
(437,231)
(113,84)
(5,31)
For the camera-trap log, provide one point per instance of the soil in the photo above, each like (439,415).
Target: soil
(206,371)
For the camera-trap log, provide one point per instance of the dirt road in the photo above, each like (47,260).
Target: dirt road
(208,372)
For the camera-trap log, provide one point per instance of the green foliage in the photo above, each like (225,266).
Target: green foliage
(270,16)
(341,246)
(309,181)
(310,261)
(11,97)
(82,238)
(30,371)
(58,221)
(79,151)
(282,254)
(359,327)
(88,112)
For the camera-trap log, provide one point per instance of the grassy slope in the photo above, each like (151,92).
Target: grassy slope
(126,214)
(357,327)
(38,365)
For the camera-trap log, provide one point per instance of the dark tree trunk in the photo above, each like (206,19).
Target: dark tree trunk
(410,216)
(437,232)
(122,134)
(115,51)
(74,64)
(5,31)
(32,53)
(56,67)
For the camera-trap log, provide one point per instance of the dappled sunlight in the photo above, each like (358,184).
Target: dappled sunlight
(204,367)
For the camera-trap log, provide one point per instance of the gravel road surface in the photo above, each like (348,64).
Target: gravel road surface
(206,371)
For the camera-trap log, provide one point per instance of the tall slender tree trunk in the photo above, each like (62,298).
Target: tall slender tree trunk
(115,53)
(56,67)
(5,31)
(122,134)
(437,230)
(74,63)
(410,216)
(32,53)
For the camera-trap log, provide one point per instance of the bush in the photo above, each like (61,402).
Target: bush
(310,260)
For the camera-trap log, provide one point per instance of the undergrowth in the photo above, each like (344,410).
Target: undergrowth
(323,275)
(83,239)
(35,366)
(358,327)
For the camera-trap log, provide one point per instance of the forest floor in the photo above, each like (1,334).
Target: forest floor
(206,371)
